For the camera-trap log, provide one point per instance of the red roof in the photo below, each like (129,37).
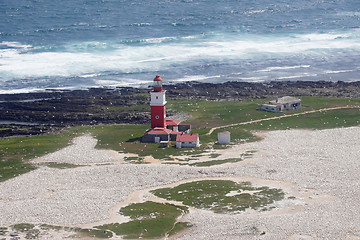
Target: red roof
(193,137)
(170,121)
(159,130)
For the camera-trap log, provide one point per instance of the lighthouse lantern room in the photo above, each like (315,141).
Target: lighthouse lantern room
(158,104)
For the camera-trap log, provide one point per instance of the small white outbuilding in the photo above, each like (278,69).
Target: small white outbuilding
(224,137)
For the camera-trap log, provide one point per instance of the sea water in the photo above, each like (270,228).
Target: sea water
(92,43)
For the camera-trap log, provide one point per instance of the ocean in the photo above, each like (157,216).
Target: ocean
(110,43)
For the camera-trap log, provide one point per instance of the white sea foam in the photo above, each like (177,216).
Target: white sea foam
(122,83)
(22,90)
(255,11)
(90,75)
(298,76)
(197,78)
(159,40)
(269,69)
(14,45)
(338,71)
(89,58)
(253,79)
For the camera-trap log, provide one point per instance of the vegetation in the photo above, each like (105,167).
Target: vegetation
(179,226)
(61,165)
(207,114)
(222,196)
(31,231)
(16,151)
(95,233)
(22,227)
(216,162)
(126,138)
(149,220)
(318,120)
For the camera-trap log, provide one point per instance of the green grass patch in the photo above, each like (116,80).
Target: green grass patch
(23,227)
(126,138)
(61,165)
(179,227)
(16,151)
(222,196)
(216,162)
(214,155)
(149,220)
(134,159)
(95,233)
(207,114)
(32,231)
(48,226)
(238,135)
(318,120)
(247,154)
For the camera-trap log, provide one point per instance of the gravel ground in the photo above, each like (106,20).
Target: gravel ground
(324,162)
(82,151)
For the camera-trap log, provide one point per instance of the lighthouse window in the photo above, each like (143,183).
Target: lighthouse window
(157,97)
(157,117)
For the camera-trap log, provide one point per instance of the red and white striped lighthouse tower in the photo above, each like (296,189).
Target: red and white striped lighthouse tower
(158,104)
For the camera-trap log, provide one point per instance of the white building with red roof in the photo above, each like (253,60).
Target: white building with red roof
(187,140)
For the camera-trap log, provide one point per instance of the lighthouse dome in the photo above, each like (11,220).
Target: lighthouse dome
(157,84)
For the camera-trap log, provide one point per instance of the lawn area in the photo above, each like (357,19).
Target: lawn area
(16,151)
(207,114)
(222,196)
(126,138)
(32,231)
(148,220)
(318,120)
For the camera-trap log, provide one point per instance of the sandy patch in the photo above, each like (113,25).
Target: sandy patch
(81,152)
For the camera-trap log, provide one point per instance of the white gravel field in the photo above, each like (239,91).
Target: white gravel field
(320,168)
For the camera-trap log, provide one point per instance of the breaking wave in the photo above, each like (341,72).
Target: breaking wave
(237,56)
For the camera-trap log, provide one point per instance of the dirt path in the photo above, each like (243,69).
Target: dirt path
(279,117)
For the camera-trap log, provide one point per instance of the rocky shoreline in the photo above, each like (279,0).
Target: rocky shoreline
(47,111)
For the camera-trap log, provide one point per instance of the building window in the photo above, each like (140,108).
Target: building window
(157,117)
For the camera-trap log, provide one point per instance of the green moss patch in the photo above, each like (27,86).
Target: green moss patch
(16,151)
(61,165)
(31,231)
(179,227)
(216,162)
(95,233)
(243,156)
(222,196)
(22,227)
(149,220)
(214,155)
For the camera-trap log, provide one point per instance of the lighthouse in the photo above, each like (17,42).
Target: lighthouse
(164,130)
(158,104)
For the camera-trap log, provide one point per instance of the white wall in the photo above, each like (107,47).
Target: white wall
(157,98)
(224,138)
